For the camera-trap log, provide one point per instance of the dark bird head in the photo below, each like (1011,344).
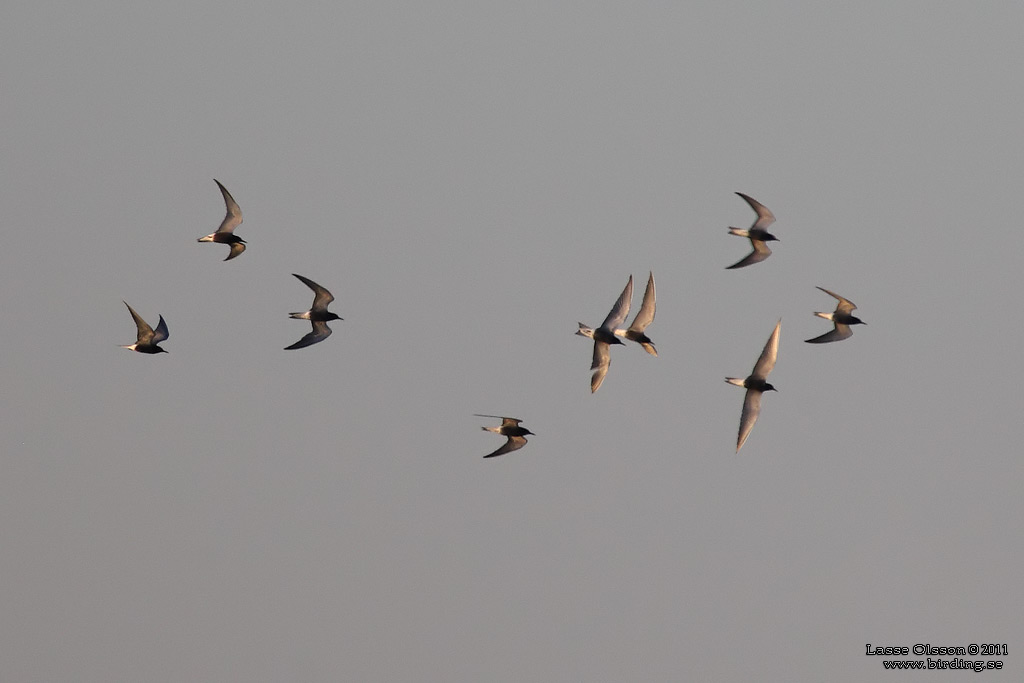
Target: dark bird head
(768,387)
(856,321)
(332,316)
(768,237)
(616,340)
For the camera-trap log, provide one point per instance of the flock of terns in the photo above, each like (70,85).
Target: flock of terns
(608,333)
(147,339)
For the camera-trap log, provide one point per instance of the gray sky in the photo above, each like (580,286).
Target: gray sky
(470,180)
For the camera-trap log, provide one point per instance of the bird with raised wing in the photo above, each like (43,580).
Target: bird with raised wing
(605,335)
(509,427)
(756,384)
(146,338)
(635,332)
(225,233)
(841,320)
(318,315)
(757,234)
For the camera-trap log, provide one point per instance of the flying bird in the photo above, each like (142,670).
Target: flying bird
(318,315)
(757,234)
(225,233)
(636,331)
(643,318)
(841,319)
(604,335)
(756,384)
(146,338)
(510,428)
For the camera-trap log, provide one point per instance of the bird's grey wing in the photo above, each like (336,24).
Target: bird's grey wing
(751,409)
(144,333)
(602,359)
(514,443)
(646,315)
(319,333)
(760,253)
(233,218)
(236,249)
(321,297)
(161,331)
(845,305)
(621,308)
(764,216)
(839,332)
(766,362)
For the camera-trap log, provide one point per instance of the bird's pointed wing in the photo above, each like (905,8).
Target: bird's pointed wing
(766,362)
(321,297)
(602,359)
(510,422)
(621,308)
(764,216)
(839,332)
(646,314)
(144,333)
(649,348)
(751,409)
(319,333)
(760,253)
(161,331)
(233,218)
(496,417)
(514,443)
(236,249)
(845,305)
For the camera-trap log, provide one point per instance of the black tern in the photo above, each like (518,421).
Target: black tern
(756,384)
(841,319)
(643,318)
(225,233)
(605,335)
(318,315)
(510,428)
(757,234)
(146,338)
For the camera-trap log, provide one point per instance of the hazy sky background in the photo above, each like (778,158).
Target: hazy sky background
(470,180)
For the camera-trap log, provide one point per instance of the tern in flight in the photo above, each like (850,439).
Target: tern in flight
(225,233)
(841,319)
(643,318)
(146,338)
(510,428)
(757,234)
(756,384)
(318,315)
(605,335)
